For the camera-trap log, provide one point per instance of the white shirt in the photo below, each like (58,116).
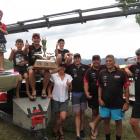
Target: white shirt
(60,89)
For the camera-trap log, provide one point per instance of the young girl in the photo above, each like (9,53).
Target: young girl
(3,31)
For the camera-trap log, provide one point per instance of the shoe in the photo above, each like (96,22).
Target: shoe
(82,134)
(78,138)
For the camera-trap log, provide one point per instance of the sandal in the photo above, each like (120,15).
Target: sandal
(93,131)
(56,135)
(43,95)
(61,137)
(93,137)
(33,96)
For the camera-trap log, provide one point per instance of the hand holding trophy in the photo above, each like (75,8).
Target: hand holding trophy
(44,42)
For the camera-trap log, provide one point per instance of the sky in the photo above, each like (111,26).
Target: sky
(118,36)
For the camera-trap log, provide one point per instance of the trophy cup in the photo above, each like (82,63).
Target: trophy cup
(44,41)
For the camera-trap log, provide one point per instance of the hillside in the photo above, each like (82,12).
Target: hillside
(120,61)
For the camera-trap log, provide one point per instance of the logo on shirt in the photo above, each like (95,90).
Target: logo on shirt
(74,72)
(137,74)
(83,69)
(117,76)
(105,80)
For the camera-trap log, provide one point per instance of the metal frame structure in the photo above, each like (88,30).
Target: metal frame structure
(75,16)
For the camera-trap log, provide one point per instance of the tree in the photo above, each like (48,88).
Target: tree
(131,1)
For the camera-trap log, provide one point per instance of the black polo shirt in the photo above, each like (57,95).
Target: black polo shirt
(77,73)
(112,84)
(91,77)
(135,69)
(32,51)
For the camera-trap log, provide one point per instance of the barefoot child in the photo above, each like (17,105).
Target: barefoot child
(20,62)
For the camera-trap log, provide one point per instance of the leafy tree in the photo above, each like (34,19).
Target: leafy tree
(131,1)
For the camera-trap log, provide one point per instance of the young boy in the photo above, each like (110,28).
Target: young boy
(20,62)
(63,56)
(3,31)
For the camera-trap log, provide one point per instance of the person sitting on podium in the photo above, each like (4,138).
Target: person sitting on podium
(33,49)
(63,56)
(20,62)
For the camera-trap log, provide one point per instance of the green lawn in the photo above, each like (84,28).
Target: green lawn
(70,132)
(11,132)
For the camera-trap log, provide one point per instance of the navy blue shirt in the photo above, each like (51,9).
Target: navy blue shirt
(112,84)
(91,77)
(77,73)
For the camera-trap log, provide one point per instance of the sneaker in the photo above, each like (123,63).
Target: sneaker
(82,134)
(78,138)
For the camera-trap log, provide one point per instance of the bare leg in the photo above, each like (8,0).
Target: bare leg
(118,128)
(32,81)
(63,116)
(18,86)
(27,84)
(45,83)
(82,120)
(107,126)
(60,118)
(135,126)
(95,121)
(78,123)
(1,61)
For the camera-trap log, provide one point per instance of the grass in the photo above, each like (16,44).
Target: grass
(70,131)
(9,131)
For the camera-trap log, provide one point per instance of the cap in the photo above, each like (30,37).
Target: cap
(77,55)
(36,35)
(137,52)
(96,57)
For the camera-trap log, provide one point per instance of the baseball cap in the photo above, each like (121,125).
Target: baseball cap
(96,57)
(77,55)
(36,35)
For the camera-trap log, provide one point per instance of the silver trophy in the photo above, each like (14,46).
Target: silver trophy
(44,42)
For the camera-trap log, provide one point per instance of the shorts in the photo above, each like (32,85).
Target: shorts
(59,106)
(136,111)
(39,74)
(21,70)
(79,102)
(114,114)
(93,103)
(2,47)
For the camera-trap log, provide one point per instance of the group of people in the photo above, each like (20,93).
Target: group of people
(104,87)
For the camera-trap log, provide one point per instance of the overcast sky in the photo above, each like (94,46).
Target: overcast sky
(118,36)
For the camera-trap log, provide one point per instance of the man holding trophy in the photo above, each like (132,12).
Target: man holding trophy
(34,52)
